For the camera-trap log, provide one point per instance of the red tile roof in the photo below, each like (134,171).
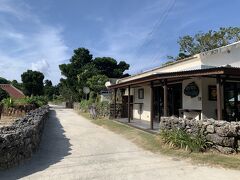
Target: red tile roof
(12,91)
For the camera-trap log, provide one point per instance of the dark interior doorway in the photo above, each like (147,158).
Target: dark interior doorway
(157,103)
(125,107)
(232,101)
(174,101)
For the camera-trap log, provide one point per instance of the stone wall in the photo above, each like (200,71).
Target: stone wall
(18,110)
(223,136)
(20,140)
(101,108)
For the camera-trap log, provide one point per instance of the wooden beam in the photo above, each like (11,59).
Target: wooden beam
(219,98)
(151,106)
(129,113)
(165,103)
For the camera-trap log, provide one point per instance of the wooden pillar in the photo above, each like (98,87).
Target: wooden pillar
(151,105)
(165,99)
(129,113)
(219,98)
(115,103)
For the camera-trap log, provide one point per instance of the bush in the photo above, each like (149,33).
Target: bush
(85,104)
(38,101)
(8,102)
(102,108)
(182,139)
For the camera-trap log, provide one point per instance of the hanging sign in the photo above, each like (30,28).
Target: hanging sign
(191,90)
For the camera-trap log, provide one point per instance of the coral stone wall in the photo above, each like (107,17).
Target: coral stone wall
(223,136)
(19,110)
(21,139)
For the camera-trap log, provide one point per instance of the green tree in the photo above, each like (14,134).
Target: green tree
(70,71)
(82,67)
(3,81)
(16,84)
(49,89)
(97,83)
(109,67)
(32,82)
(3,94)
(200,42)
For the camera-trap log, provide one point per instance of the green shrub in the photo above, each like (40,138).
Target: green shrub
(85,104)
(8,102)
(182,139)
(38,101)
(102,108)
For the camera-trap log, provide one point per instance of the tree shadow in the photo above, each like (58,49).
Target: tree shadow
(53,148)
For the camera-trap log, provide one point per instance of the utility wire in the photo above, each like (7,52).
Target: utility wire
(149,37)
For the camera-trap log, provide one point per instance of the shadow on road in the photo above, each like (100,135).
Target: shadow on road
(53,148)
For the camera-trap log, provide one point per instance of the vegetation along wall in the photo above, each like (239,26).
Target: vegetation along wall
(22,138)
(222,135)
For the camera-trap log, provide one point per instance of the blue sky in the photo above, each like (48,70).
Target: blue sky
(42,34)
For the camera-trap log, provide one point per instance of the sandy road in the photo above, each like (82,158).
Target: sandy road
(74,148)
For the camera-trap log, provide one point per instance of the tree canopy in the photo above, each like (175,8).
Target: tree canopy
(109,67)
(49,90)
(97,83)
(200,42)
(82,69)
(3,81)
(32,82)
(16,84)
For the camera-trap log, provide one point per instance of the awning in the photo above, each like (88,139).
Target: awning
(210,72)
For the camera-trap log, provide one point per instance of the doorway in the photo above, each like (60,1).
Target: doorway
(232,101)
(124,113)
(157,103)
(174,101)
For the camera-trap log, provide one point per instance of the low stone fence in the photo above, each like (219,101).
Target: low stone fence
(102,109)
(223,136)
(22,138)
(18,110)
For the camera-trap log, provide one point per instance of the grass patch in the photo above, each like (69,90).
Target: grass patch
(155,143)
(181,139)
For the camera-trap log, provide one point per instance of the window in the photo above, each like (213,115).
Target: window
(140,93)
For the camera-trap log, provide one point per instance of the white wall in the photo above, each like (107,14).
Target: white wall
(201,102)
(126,92)
(189,102)
(222,56)
(146,104)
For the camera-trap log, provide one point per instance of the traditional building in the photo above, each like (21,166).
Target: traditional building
(12,91)
(206,85)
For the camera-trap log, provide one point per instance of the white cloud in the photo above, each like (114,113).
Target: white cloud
(41,66)
(39,46)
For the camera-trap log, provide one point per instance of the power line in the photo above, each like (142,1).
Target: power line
(148,39)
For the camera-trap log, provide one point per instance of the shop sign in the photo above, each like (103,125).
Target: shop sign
(191,90)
